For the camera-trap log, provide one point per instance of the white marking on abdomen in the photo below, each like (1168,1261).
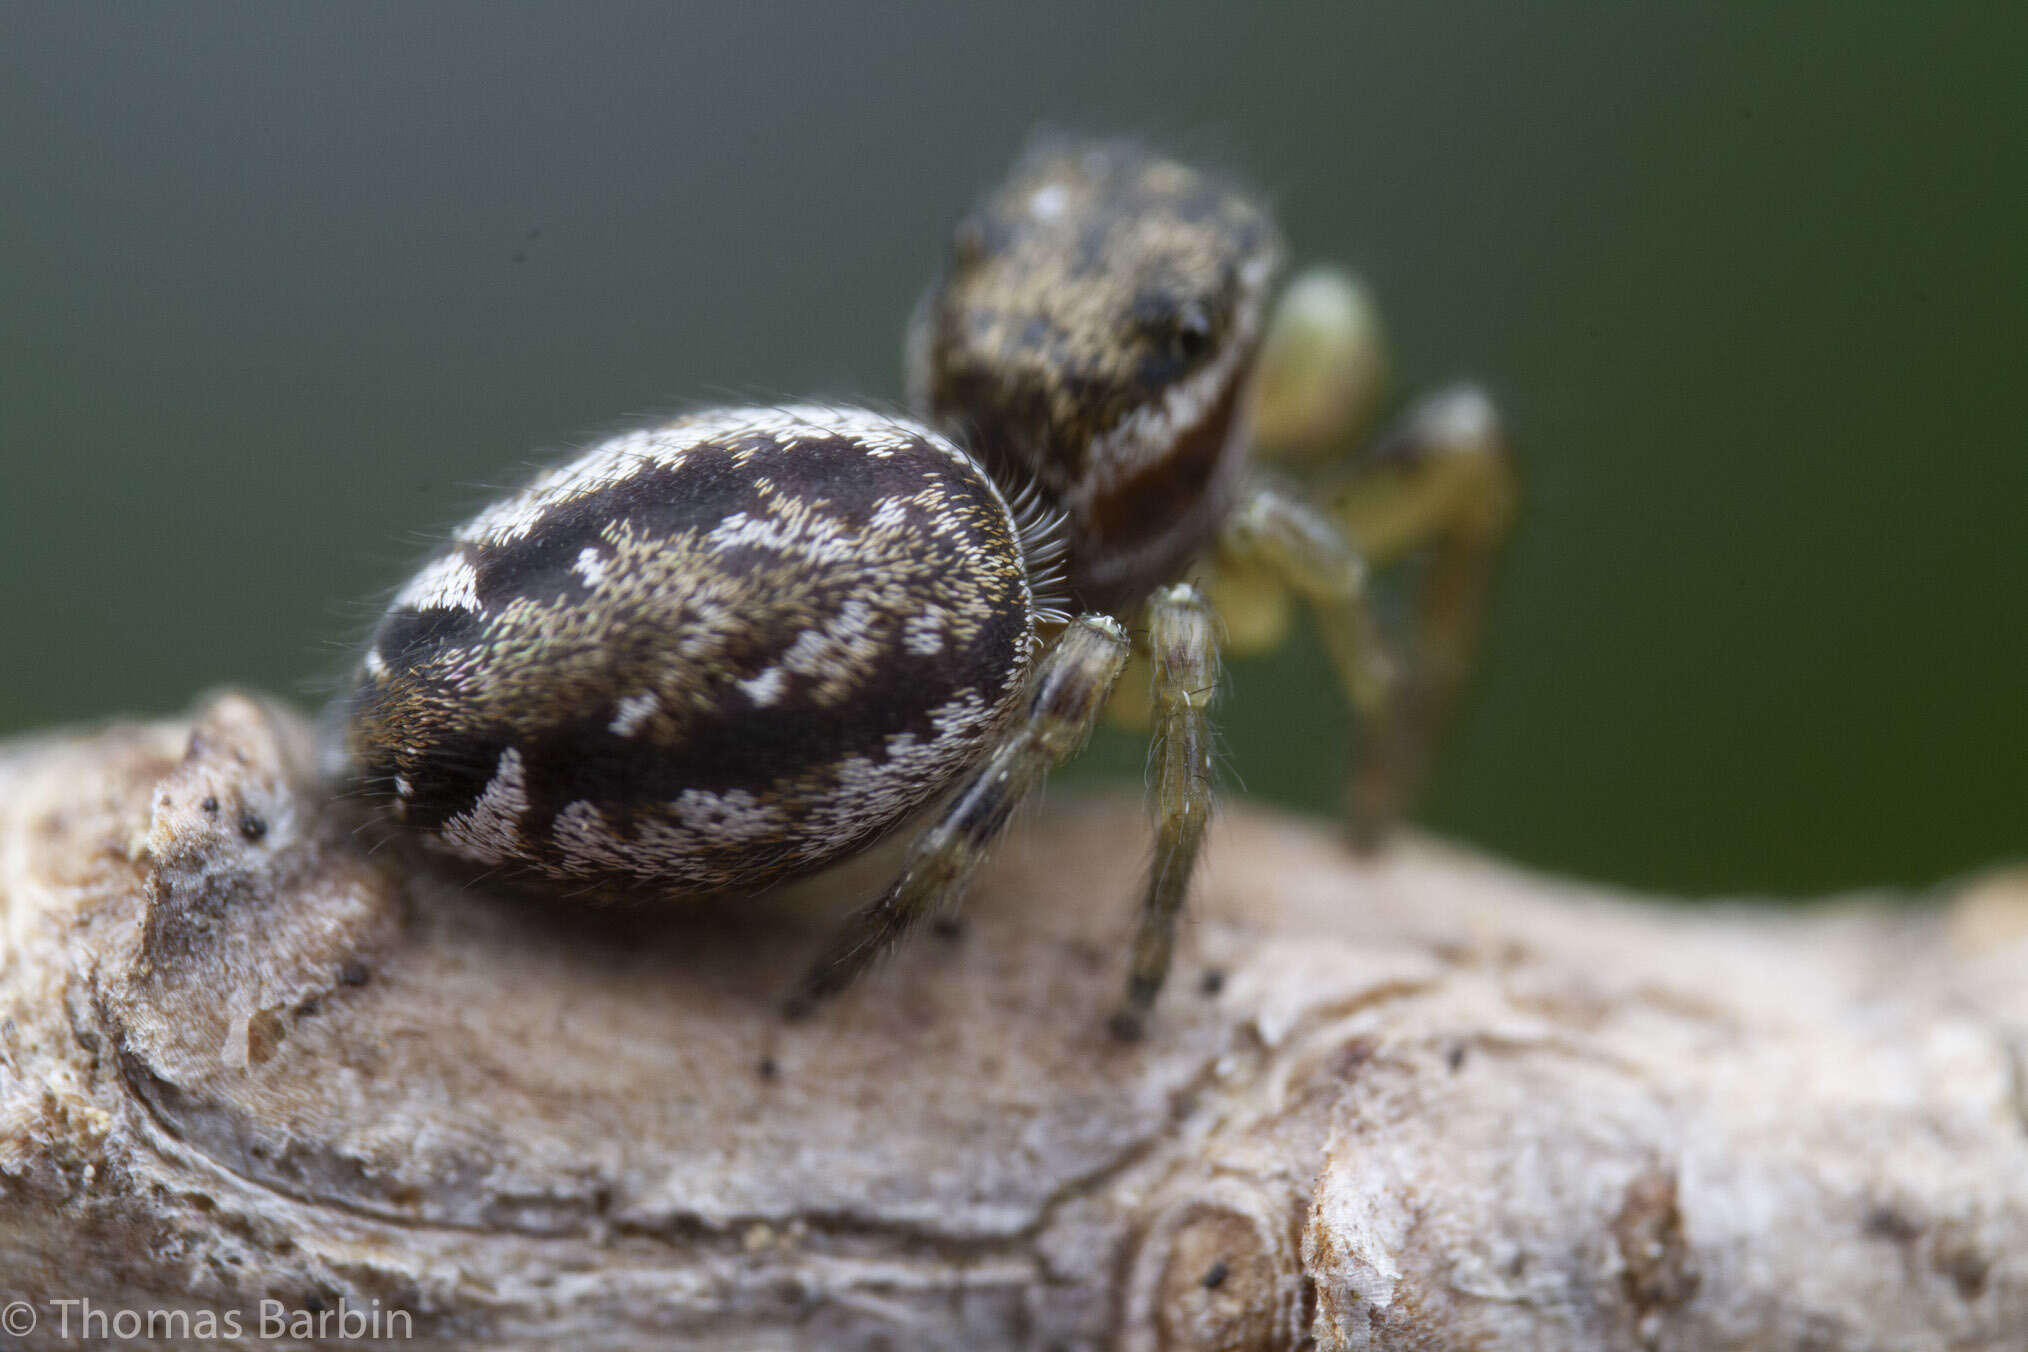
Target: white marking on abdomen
(590,565)
(448,583)
(634,710)
(767,687)
(923,634)
(589,843)
(491,831)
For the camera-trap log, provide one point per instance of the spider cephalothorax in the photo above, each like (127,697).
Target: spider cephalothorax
(1094,331)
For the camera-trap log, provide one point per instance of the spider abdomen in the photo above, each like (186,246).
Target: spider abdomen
(709,654)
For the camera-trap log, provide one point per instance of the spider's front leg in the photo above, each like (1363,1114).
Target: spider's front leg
(1183,639)
(1310,554)
(1064,701)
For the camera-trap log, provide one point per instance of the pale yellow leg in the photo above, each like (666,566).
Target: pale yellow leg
(1439,485)
(1311,554)
(1441,482)
(1322,369)
(1183,643)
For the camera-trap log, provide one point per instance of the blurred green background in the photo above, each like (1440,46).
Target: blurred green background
(282,288)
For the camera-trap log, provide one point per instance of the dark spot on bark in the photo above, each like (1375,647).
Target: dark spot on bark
(1958,1255)
(1648,1231)
(1088,956)
(1455,1057)
(770,1069)
(1353,1055)
(1212,982)
(353,973)
(1214,1276)
(265,1033)
(1884,1222)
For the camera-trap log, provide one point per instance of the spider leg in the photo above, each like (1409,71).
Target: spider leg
(1312,555)
(1441,480)
(1439,483)
(1065,698)
(1322,368)
(1183,638)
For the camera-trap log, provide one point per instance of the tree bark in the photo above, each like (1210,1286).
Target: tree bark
(1428,1100)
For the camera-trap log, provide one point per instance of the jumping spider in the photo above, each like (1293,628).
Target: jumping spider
(732,649)
(1101,333)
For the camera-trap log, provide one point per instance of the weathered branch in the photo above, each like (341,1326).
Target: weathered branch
(1425,1102)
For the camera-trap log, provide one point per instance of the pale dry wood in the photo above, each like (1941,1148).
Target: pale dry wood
(1428,1101)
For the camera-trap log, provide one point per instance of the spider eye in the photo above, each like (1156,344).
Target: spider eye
(1190,339)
